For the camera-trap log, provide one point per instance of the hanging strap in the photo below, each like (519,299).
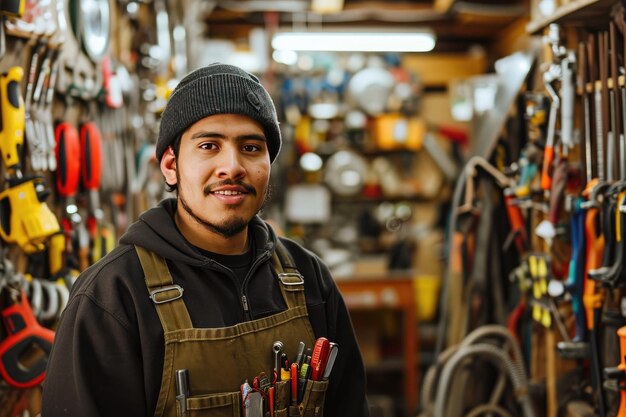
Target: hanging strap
(166,296)
(291,281)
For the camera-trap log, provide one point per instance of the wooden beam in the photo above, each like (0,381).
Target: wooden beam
(443,6)
(386,5)
(436,70)
(513,38)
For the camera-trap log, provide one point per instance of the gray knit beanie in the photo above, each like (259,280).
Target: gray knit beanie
(218,89)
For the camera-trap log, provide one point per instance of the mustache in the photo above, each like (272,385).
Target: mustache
(237,183)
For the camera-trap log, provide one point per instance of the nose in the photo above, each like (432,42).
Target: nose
(230,163)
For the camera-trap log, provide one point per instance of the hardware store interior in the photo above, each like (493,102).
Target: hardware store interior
(459,167)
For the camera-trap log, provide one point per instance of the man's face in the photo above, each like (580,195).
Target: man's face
(222,173)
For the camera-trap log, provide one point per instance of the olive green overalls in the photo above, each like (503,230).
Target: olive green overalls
(219,360)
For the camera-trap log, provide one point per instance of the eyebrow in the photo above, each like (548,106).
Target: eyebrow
(217,135)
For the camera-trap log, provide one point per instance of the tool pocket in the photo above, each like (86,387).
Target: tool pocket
(282,395)
(213,405)
(313,400)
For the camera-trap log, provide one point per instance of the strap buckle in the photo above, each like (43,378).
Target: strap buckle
(291,278)
(154,293)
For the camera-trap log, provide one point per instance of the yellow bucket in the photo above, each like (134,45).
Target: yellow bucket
(426,290)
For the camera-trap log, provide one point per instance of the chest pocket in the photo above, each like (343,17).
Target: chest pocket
(217,361)
(213,405)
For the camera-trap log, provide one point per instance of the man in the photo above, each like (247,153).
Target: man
(200,283)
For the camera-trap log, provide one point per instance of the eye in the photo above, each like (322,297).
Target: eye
(208,146)
(251,148)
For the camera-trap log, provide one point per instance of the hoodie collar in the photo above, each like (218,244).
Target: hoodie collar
(156,231)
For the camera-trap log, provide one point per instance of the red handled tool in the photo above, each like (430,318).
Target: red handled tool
(270,394)
(91,169)
(294,383)
(23,333)
(91,155)
(100,233)
(319,358)
(67,152)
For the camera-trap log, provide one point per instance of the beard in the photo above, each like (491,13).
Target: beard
(228,228)
(231,226)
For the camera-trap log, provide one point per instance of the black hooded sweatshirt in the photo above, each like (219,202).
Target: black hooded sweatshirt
(107,359)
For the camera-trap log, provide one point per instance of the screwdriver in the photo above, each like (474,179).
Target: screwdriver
(182,390)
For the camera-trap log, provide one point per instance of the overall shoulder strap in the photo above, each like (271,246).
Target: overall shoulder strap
(291,281)
(166,296)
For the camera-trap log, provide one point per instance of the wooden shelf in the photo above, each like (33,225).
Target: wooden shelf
(390,293)
(583,12)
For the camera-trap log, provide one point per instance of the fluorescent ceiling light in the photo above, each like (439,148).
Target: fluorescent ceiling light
(286,57)
(356,41)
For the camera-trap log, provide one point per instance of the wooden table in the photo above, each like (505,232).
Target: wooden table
(396,294)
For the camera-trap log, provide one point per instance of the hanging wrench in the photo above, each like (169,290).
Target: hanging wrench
(38,117)
(548,155)
(35,146)
(44,109)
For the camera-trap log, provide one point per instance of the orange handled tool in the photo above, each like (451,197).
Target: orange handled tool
(593,294)
(516,220)
(594,242)
(548,158)
(618,373)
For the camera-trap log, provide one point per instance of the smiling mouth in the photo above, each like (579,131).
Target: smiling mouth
(228,192)
(230,188)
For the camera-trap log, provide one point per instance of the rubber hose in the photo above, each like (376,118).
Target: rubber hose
(499,331)
(427,397)
(428,383)
(428,393)
(443,299)
(515,373)
(495,330)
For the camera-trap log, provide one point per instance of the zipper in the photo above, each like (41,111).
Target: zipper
(244,299)
(244,285)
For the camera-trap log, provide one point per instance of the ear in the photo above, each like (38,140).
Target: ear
(168,166)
